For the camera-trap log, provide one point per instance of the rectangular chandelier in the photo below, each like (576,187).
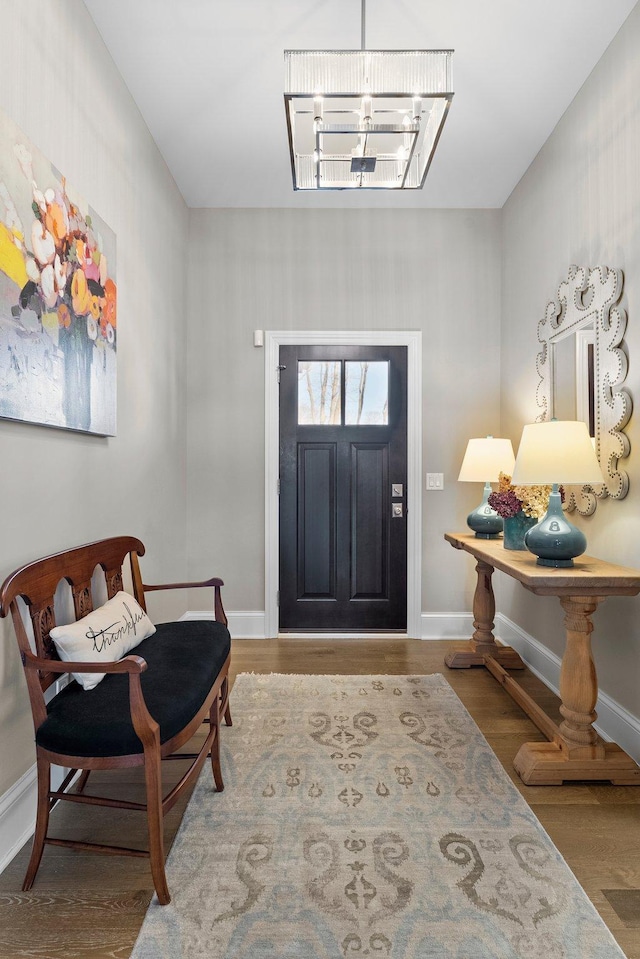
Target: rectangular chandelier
(365,119)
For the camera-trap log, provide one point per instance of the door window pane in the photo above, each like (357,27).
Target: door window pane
(366,390)
(318,392)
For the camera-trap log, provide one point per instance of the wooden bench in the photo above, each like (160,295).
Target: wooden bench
(149,704)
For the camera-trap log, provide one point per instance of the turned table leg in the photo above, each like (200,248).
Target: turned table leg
(578,680)
(577,752)
(483,642)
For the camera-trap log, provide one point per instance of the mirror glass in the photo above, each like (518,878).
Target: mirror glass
(573,384)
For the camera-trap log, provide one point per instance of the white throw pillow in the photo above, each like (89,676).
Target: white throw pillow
(105,635)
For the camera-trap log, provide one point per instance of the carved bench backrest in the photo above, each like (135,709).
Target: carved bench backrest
(37,583)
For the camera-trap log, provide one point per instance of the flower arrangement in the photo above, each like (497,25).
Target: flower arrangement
(64,279)
(508,500)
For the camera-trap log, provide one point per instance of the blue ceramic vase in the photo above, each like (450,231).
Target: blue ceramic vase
(515,528)
(554,540)
(484,520)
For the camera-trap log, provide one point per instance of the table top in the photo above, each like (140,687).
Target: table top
(588,577)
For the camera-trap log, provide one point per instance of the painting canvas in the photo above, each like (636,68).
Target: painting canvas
(58,325)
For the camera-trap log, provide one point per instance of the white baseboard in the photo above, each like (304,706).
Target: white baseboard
(251,625)
(446,625)
(614,723)
(331,636)
(18,812)
(242,625)
(17,816)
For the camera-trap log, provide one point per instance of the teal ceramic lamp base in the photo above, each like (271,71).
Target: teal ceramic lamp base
(484,520)
(554,540)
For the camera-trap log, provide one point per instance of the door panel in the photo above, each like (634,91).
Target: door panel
(369,532)
(343,442)
(317,521)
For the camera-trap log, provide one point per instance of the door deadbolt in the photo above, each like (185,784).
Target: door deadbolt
(397,510)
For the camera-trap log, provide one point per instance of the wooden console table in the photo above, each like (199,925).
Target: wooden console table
(575,751)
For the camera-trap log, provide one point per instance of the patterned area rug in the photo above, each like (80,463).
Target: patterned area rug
(364,816)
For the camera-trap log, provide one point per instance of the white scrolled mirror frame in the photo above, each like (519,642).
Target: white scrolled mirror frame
(591,297)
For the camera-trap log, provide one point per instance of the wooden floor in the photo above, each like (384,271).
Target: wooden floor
(91,906)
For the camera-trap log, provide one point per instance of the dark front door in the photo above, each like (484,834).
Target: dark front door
(343,485)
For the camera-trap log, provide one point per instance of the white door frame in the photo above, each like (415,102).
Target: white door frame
(413,341)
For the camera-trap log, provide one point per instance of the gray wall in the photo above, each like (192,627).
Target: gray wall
(579,203)
(437,271)
(59,489)
(209,278)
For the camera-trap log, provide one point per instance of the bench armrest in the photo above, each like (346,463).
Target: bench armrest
(206,582)
(221,616)
(129,664)
(144,724)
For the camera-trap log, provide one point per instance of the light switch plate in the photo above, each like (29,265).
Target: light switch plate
(435,481)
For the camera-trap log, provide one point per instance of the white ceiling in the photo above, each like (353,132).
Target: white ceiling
(208,79)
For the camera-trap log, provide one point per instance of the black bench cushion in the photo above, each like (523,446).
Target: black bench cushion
(183,661)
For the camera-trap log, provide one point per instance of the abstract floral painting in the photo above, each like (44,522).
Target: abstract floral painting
(58,325)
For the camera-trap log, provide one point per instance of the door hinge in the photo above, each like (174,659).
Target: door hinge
(278,598)
(279,370)
(278,487)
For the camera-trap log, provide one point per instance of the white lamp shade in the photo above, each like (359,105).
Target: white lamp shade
(486,457)
(558,451)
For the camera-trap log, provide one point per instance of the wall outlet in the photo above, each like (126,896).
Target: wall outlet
(435,481)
